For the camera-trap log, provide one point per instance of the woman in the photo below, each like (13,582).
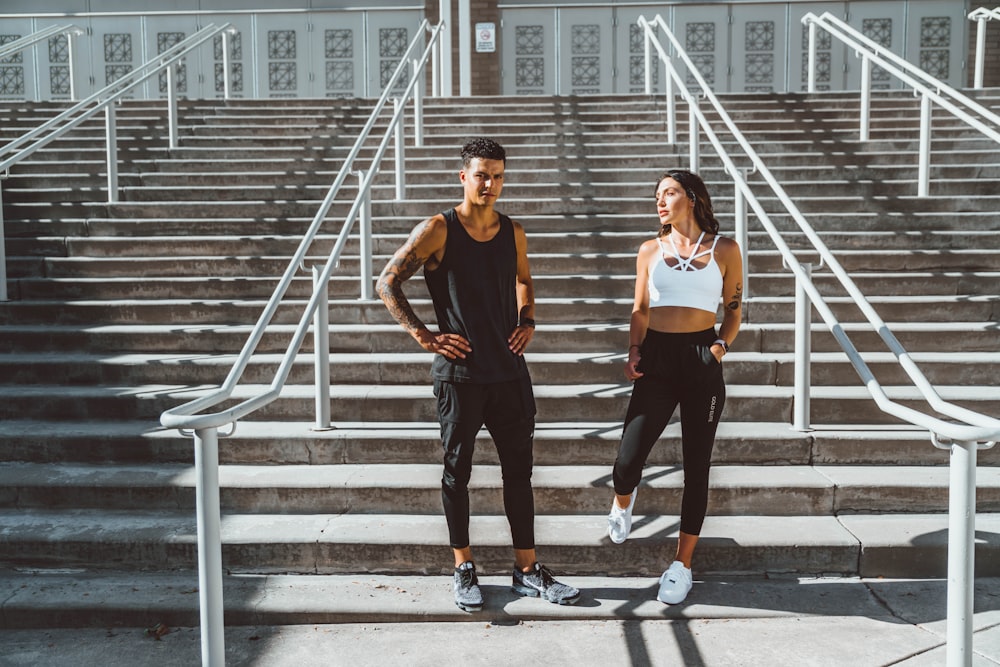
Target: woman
(675,358)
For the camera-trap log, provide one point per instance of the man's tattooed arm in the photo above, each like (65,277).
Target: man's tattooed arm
(403,265)
(427,239)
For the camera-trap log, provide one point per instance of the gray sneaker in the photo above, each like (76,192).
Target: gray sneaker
(538,583)
(468,597)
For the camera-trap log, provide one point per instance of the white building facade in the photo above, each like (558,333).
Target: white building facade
(292,48)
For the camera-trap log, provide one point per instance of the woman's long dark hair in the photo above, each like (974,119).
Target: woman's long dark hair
(696,191)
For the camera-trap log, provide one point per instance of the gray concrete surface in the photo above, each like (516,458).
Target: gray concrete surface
(390,620)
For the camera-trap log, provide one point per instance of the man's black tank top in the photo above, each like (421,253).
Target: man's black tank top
(474,295)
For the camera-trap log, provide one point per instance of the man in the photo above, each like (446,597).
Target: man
(475,263)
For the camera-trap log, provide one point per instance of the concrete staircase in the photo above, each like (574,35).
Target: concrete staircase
(120,311)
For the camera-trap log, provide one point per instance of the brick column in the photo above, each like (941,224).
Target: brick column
(485,66)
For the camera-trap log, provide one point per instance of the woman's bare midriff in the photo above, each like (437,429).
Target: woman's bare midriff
(677,319)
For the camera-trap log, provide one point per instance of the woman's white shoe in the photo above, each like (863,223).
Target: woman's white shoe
(620,520)
(675,584)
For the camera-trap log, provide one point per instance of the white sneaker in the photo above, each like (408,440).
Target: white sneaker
(675,584)
(620,520)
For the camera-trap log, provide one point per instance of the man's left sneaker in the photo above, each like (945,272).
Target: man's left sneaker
(538,583)
(468,595)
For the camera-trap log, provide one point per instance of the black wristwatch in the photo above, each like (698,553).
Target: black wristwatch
(527,322)
(723,343)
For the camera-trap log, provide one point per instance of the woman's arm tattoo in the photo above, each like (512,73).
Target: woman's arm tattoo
(734,302)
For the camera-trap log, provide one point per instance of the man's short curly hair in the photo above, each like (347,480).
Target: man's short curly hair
(482,148)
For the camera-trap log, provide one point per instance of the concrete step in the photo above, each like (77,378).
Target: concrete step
(860,194)
(595,309)
(407,403)
(549,255)
(131,441)
(85,167)
(581,367)
(923,284)
(928,231)
(299,620)
(559,490)
(608,338)
(896,251)
(444,123)
(795,172)
(515,205)
(886,545)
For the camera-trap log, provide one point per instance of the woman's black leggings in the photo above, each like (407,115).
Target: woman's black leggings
(678,369)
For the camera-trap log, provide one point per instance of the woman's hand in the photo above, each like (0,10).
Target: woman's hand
(632,372)
(717,351)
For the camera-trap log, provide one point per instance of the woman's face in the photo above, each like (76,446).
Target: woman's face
(672,203)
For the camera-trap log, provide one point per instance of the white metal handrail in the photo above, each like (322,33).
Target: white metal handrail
(18,45)
(981,426)
(105,99)
(187,416)
(206,427)
(964,439)
(981,16)
(930,89)
(23,43)
(70,118)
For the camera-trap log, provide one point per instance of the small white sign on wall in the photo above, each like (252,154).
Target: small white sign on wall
(486,38)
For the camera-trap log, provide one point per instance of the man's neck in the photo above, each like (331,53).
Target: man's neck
(480,217)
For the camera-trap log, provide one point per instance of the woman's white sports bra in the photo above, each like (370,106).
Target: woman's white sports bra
(684,285)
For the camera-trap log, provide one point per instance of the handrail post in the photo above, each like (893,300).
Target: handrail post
(227,86)
(36,64)
(866,98)
(811,66)
(112,151)
(671,106)
(321,348)
(740,227)
(436,70)
(3,252)
(71,62)
(365,242)
(206,460)
(803,351)
(444,11)
(647,52)
(171,107)
(464,25)
(400,130)
(418,104)
(961,553)
(693,139)
(980,52)
(924,167)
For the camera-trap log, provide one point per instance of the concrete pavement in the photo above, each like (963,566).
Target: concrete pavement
(303,620)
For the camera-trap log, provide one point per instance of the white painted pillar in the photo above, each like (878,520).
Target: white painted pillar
(961,553)
(464,48)
(206,461)
(803,352)
(445,43)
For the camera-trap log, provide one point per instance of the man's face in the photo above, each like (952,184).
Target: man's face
(483,181)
